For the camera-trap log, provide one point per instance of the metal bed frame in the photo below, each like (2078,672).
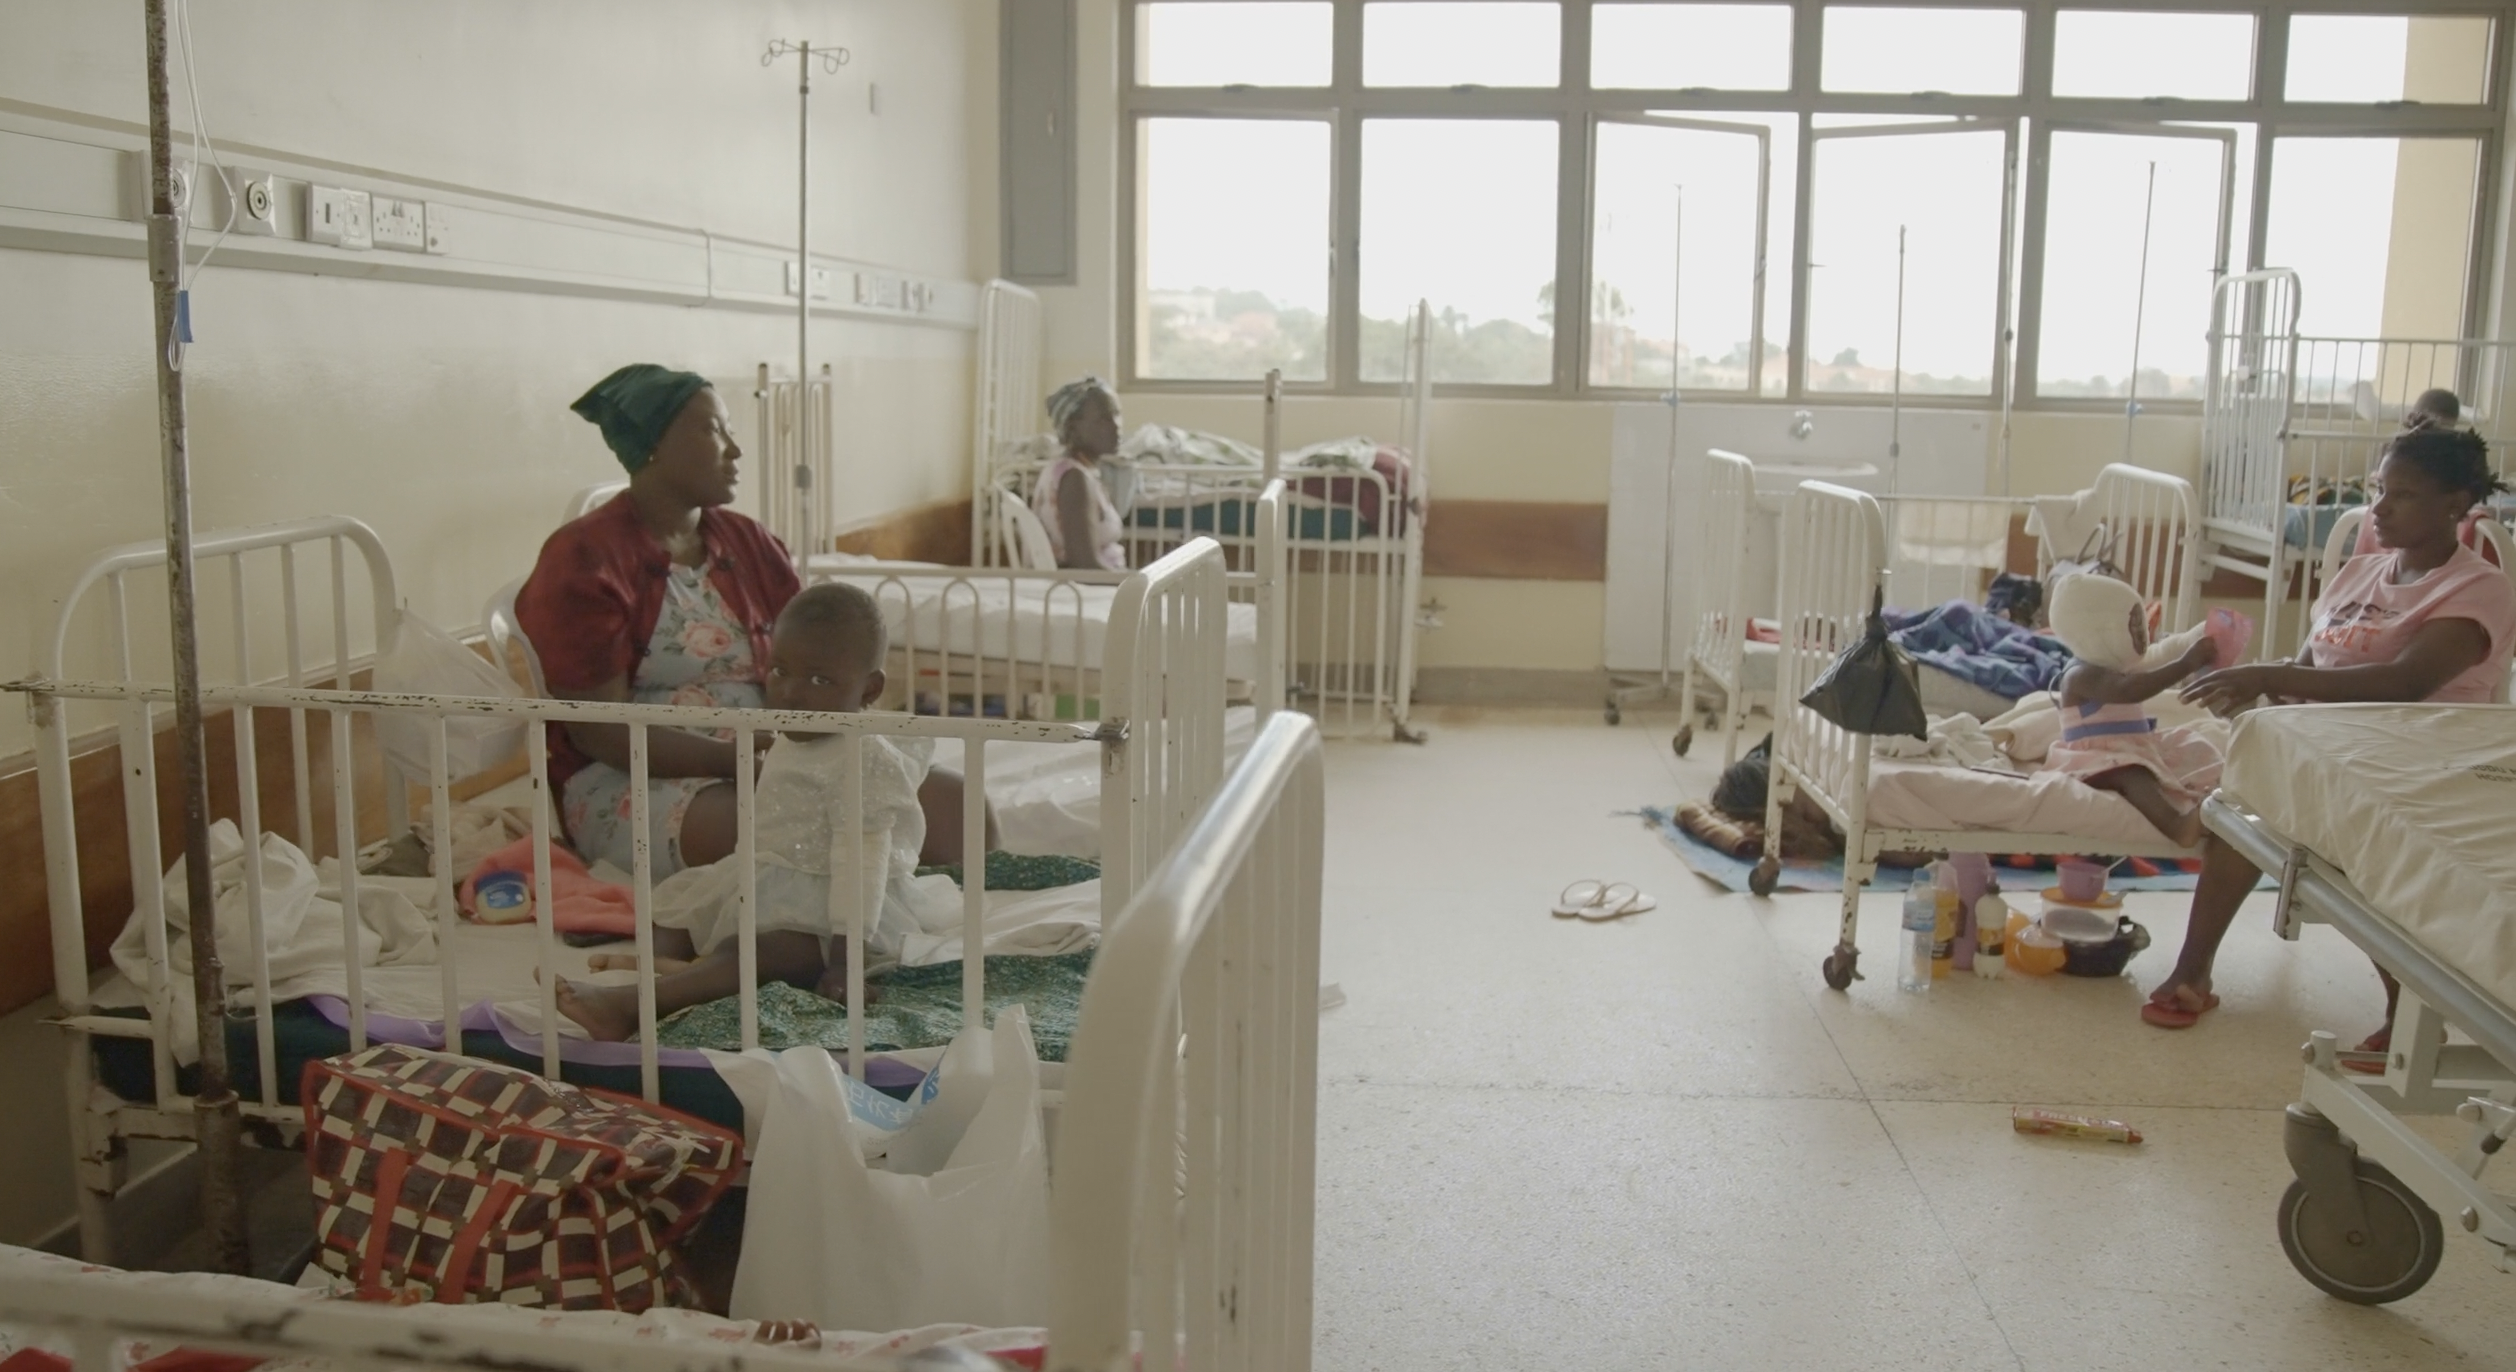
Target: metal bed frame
(1836,560)
(1160,733)
(2283,406)
(2363,1219)
(1204,998)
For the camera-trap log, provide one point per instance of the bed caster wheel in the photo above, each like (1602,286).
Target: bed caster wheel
(1685,739)
(1614,712)
(1842,967)
(2394,1255)
(1768,875)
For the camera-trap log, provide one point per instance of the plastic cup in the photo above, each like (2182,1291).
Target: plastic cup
(2082,881)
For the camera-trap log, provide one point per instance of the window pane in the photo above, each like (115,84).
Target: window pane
(1460,213)
(1235,255)
(1891,51)
(1470,44)
(2356,59)
(1246,44)
(1944,189)
(2136,56)
(2378,230)
(2097,186)
(1684,47)
(1636,253)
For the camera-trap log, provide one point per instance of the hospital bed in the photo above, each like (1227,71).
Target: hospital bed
(1351,564)
(1187,1247)
(2395,824)
(1157,763)
(2293,425)
(1836,563)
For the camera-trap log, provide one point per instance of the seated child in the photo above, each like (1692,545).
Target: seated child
(826,654)
(2108,738)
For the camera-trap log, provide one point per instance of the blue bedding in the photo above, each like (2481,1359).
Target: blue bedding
(2009,660)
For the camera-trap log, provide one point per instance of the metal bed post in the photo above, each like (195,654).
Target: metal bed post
(1619,696)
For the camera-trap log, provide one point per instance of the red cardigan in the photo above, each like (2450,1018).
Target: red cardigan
(596,591)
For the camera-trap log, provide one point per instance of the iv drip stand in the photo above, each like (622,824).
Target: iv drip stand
(1665,686)
(2140,313)
(831,60)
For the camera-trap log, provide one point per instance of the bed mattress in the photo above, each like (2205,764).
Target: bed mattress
(1935,796)
(2416,804)
(1029,621)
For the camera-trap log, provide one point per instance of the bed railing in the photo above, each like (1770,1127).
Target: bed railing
(2245,400)
(1004,403)
(1203,1005)
(1165,689)
(1833,553)
(796,429)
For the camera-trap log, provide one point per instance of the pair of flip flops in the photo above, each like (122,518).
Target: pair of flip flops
(1599,901)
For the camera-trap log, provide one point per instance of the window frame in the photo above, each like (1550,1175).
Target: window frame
(1577,109)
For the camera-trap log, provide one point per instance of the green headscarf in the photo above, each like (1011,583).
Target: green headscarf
(633,407)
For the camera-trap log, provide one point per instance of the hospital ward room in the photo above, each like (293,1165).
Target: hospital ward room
(1255,685)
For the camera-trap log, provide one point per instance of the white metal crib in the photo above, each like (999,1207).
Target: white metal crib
(2293,426)
(1160,731)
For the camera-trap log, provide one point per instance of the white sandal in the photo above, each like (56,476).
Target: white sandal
(1579,898)
(1617,901)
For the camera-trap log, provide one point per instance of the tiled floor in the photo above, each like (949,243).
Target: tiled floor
(1664,1143)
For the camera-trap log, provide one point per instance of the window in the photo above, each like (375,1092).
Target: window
(1250,43)
(2134,237)
(1723,184)
(1478,43)
(1951,52)
(1691,47)
(2150,55)
(2379,231)
(1460,213)
(1234,283)
(1678,205)
(2362,59)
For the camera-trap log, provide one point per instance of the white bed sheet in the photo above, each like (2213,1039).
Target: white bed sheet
(2416,804)
(1027,621)
(1913,795)
(1048,795)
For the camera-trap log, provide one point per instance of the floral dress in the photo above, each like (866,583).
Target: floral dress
(699,655)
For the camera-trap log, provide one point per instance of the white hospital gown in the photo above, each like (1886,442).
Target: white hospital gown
(796,809)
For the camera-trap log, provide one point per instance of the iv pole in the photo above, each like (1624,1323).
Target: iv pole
(2140,312)
(1662,688)
(215,1112)
(831,60)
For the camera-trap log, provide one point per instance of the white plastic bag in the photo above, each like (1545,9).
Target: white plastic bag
(426,660)
(851,1244)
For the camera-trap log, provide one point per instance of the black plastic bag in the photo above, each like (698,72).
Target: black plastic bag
(1873,688)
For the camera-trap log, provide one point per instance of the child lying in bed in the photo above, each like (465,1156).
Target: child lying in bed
(2109,740)
(826,654)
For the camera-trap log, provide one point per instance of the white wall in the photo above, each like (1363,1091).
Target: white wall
(438,413)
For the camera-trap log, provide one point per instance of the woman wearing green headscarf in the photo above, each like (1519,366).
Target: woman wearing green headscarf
(662,596)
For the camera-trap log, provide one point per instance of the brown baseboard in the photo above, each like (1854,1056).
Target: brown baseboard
(1516,540)
(937,532)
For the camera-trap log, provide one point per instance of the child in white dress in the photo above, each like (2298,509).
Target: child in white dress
(826,655)
(2109,740)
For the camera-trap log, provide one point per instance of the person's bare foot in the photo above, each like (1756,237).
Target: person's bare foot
(2179,1004)
(788,1332)
(628,962)
(833,987)
(608,1013)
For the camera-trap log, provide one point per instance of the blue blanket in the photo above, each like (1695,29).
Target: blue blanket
(2009,660)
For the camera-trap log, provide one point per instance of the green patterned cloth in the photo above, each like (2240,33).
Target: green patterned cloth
(1024,872)
(916,1007)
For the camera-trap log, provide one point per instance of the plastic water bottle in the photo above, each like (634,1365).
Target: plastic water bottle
(1921,924)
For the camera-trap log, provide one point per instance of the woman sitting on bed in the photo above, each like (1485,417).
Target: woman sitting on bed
(1083,525)
(2425,620)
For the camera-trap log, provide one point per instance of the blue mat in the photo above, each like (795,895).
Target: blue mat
(1730,873)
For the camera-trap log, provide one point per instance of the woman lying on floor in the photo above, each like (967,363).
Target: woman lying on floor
(2425,620)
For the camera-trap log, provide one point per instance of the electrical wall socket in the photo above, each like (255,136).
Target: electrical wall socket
(135,187)
(399,225)
(249,202)
(339,218)
(820,281)
(440,230)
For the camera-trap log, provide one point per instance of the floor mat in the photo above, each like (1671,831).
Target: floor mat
(1730,873)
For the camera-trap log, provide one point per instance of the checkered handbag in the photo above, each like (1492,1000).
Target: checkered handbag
(448,1179)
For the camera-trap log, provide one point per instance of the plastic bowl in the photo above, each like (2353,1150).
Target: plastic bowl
(2107,959)
(2076,924)
(2082,882)
(2035,953)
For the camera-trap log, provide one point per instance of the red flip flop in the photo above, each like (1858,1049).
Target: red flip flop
(2170,1016)
(2377,1045)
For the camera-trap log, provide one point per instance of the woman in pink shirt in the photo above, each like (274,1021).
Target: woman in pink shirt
(2424,620)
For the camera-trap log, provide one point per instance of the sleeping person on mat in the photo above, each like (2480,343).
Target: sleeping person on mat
(826,654)
(2427,619)
(2109,740)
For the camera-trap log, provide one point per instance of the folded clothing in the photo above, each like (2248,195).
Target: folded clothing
(1739,840)
(1989,650)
